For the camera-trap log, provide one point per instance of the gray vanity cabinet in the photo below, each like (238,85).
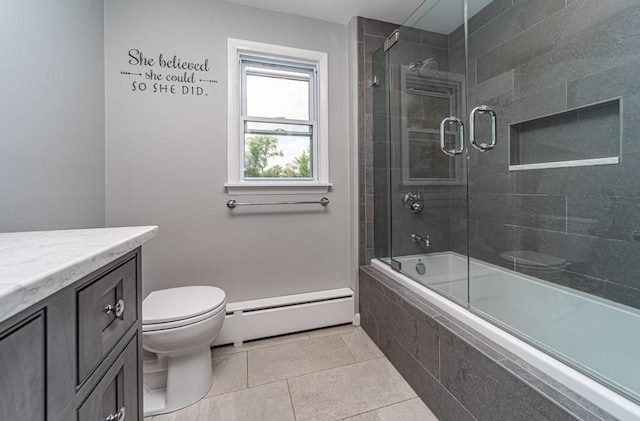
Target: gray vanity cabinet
(22,370)
(76,355)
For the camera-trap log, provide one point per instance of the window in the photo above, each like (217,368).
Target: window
(277,124)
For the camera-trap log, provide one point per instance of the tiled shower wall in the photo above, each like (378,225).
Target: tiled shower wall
(371,36)
(528,59)
(536,58)
(375,154)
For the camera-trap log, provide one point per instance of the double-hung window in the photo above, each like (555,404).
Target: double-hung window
(277,134)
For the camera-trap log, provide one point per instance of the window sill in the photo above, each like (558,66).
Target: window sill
(277,188)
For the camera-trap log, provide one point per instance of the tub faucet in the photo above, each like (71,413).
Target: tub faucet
(422,240)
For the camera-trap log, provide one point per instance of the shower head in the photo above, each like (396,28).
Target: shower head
(426,67)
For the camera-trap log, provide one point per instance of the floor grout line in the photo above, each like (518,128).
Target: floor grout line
(348,349)
(319,371)
(380,407)
(293,408)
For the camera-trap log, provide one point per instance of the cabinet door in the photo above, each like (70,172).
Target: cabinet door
(22,371)
(116,396)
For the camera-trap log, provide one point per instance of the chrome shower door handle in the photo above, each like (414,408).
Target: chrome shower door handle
(483,147)
(443,126)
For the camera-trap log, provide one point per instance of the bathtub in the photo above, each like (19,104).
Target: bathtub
(586,330)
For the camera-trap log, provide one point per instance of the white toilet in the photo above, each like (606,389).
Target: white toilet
(178,328)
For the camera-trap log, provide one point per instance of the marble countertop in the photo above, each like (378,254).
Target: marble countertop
(36,264)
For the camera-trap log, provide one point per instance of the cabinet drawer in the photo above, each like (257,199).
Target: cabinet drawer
(116,396)
(107,308)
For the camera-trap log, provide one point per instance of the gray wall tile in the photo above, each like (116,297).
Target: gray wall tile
(475,380)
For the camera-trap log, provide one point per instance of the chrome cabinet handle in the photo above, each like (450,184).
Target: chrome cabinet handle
(118,416)
(483,147)
(117,309)
(443,125)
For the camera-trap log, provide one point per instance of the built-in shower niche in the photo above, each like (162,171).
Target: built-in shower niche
(584,136)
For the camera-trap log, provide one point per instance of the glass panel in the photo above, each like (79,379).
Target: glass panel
(272,96)
(278,155)
(427,189)
(554,251)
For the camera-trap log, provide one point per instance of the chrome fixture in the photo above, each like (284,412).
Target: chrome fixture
(413,202)
(482,147)
(375,81)
(443,125)
(425,68)
(421,268)
(117,309)
(118,416)
(422,240)
(391,40)
(231,204)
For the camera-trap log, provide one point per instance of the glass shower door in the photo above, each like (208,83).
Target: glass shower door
(554,206)
(427,148)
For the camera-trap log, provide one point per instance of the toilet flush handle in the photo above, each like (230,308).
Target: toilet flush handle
(117,309)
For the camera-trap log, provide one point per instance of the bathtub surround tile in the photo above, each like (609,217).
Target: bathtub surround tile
(360,345)
(229,373)
(280,362)
(259,343)
(481,343)
(270,402)
(341,393)
(442,403)
(476,378)
(576,405)
(411,410)
(570,397)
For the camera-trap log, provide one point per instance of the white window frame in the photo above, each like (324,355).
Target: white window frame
(236,184)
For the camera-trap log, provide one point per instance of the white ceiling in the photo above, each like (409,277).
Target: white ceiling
(434,15)
(444,16)
(339,11)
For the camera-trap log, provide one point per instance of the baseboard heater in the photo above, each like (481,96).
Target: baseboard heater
(248,320)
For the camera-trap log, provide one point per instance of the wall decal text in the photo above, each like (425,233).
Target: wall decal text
(167,74)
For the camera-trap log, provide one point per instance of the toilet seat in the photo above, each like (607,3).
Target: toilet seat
(150,327)
(177,307)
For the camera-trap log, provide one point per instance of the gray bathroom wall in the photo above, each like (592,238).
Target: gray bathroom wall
(167,160)
(52,115)
(538,58)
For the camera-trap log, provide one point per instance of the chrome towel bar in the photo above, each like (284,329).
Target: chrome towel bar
(231,204)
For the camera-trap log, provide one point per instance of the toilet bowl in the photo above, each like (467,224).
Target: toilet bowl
(178,327)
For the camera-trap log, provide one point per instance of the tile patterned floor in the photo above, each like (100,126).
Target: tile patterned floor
(329,374)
